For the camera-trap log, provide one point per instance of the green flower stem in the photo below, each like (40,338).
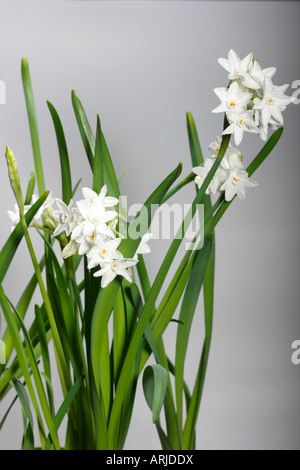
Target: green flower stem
(62,366)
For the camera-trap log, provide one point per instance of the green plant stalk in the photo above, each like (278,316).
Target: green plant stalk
(62,367)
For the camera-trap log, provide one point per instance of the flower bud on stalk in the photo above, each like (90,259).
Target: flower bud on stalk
(14,178)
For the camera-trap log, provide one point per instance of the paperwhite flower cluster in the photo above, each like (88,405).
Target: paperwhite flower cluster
(90,225)
(252,102)
(230,177)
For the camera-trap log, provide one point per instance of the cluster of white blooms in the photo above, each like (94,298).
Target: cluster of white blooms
(252,102)
(90,226)
(230,177)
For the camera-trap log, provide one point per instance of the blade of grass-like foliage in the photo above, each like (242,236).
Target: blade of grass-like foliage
(28,441)
(33,125)
(64,408)
(265,151)
(64,156)
(85,130)
(30,188)
(155,382)
(8,251)
(43,340)
(22,307)
(14,330)
(187,311)
(193,409)
(195,148)
(98,168)
(38,382)
(89,143)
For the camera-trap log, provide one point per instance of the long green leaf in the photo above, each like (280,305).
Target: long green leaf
(33,125)
(86,133)
(186,315)
(64,156)
(193,409)
(64,408)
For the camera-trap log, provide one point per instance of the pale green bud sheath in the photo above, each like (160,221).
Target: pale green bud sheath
(14,178)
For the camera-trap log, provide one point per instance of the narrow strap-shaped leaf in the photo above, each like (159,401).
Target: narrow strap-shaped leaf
(12,325)
(98,168)
(38,381)
(33,125)
(195,148)
(193,409)
(85,130)
(66,179)
(187,311)
(30,188)
(64,408)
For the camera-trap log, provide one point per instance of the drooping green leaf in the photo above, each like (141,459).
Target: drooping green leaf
(155,382)
(28,441)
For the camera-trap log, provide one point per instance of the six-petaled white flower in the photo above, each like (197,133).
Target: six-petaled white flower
(236,183)
(110,269)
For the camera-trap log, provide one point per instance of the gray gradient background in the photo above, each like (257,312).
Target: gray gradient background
(141,66)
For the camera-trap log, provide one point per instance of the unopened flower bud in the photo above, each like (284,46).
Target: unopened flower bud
(14,178)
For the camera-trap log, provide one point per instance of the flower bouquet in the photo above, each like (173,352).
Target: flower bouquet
(98,308)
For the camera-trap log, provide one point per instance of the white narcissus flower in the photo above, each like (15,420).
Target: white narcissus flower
(232,99)
(94,220)
(258,74)
(91,197)
(203,170)
(236,67)
(104,250)
(239,123)
(112,268)
(236,183)
(67,217)
(273,102)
